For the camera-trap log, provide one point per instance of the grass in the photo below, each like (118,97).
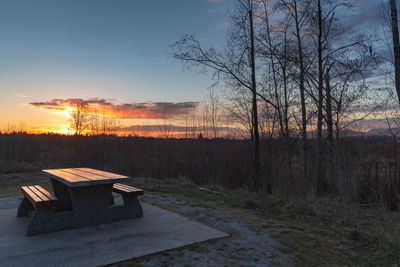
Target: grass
(322,232)
(10,184)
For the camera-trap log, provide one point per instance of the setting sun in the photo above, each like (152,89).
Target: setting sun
(65,131)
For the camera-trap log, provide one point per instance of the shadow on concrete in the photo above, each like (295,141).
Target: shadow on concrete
(157,231)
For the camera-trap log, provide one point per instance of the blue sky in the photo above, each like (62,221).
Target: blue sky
(111,49)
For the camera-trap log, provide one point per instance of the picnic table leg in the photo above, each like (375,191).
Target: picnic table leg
(61,191)
(41,221)
(133,205)
(24,208)
(112,199)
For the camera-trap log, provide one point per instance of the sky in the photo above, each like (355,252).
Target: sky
(53,52)
(115,50)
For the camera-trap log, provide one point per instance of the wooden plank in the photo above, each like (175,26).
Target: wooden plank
(32,197)
(45,192)
(94,178)
(120,191)
(127,187)
(127,190)
(123,187)
(38,193)
(45,200)
(28,192)
(110,175)
(68,178)
(119,185)
(131,188)
(86,174)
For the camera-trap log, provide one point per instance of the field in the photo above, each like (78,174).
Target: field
(364,169)
(181,174)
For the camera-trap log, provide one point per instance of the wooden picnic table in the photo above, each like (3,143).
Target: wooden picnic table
(81,189)
(83,197)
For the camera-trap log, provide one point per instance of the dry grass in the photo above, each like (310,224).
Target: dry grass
(11,183)
(322,232)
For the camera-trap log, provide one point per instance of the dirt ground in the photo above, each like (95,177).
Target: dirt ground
(245,246)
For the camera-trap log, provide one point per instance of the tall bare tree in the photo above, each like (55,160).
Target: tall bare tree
(396,45)
(298,10)
(79,117)
(235,66)
(320,49)
(211,112)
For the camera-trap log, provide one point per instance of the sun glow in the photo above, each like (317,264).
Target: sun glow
(64,131)
(65,111)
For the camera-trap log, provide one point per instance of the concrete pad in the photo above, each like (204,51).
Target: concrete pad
(158,230)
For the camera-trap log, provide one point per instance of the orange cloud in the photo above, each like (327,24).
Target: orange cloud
(144,110)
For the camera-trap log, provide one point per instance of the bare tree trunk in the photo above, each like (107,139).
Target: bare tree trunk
(337,128)
(396,165)
(254,109)
(214,113)
(396,45)
(329,124)
(285,90)
(288,155)
(320,97)
(302,96)
(277,99)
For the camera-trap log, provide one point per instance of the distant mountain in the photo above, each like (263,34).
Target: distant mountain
(382,131)
(370,132)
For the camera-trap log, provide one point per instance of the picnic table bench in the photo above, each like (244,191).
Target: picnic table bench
(82,197)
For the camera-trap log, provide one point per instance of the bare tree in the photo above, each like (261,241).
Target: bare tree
(277,87)
(393,123)
(299,16)
(165,127)
(239,108)
(396,44)
(329,126)
(320,50)
(211,110)
(79,117)
(235,65)
(109,125)
(94,123)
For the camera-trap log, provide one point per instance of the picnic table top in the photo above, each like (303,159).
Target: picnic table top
(74,177)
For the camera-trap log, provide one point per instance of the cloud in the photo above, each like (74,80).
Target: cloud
(364,16)
(144,110)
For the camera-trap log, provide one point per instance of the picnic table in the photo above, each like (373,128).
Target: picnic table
(82,197)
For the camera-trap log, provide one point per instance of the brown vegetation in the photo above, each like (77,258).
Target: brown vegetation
(365,170)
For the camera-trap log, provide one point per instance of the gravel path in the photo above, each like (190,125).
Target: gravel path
(245,246)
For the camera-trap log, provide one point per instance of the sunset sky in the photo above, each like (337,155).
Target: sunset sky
(113,53)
